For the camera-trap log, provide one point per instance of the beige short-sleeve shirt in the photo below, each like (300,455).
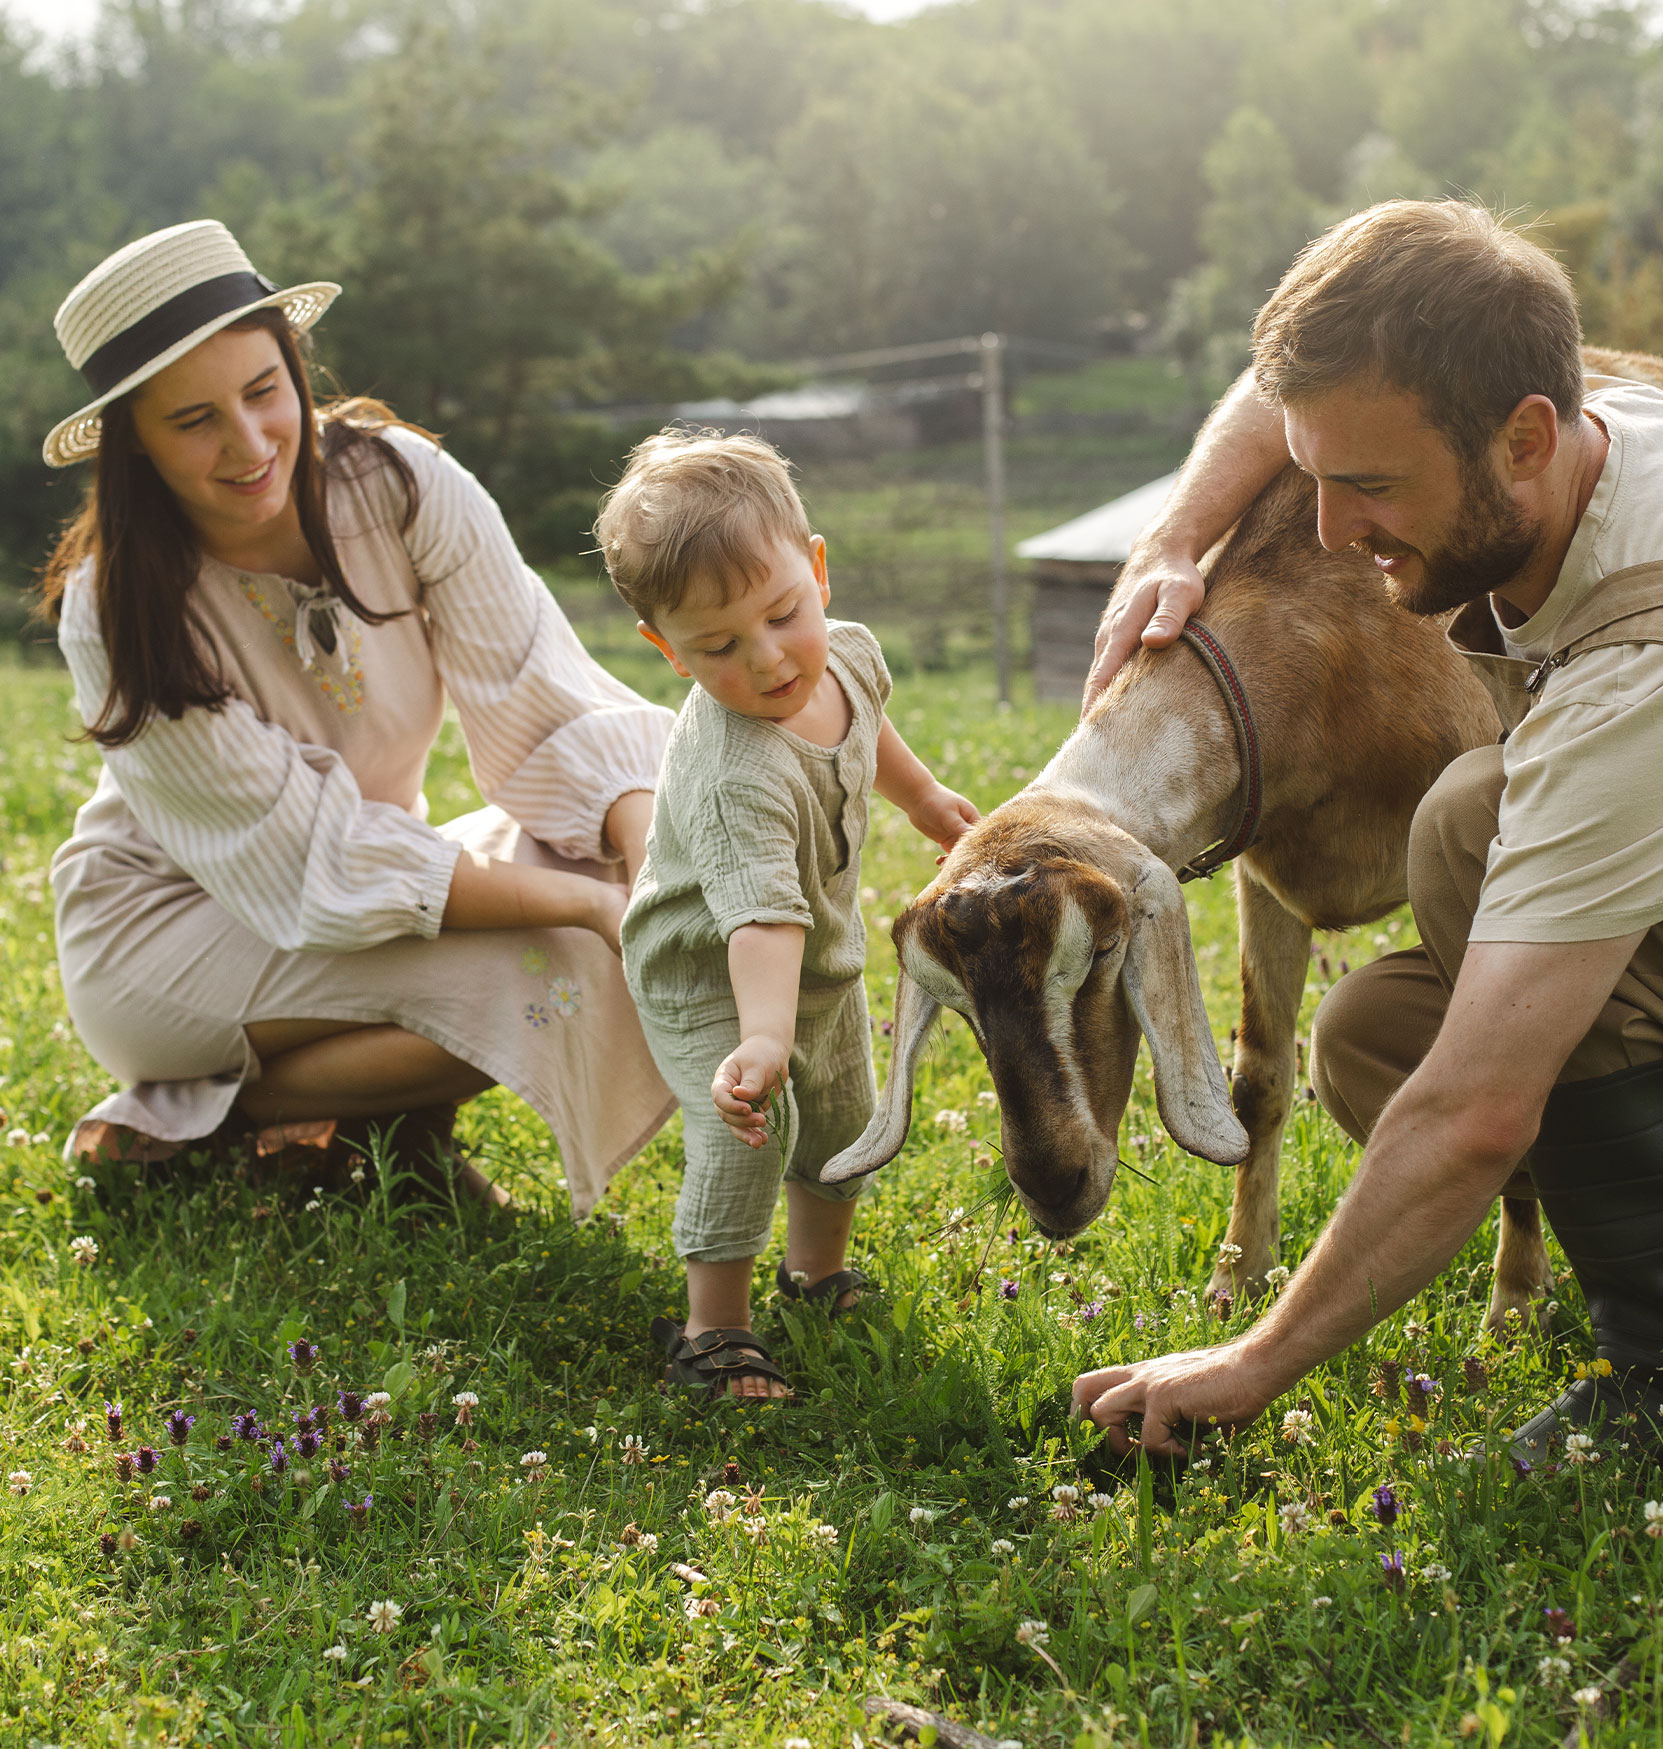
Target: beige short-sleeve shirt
(753,824)
(1578,854)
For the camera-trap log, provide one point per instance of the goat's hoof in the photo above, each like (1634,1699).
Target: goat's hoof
(1515,1310)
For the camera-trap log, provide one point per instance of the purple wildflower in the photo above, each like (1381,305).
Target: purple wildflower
(246,1426)
(350,1404)
(124,1466)
(303,1420)
(306,1444)
(1094,1310)
(1137,1321)
(1558,1625)
(304,1354)
(1391,1569)
(1012,1236)
(279,1457)
(1522,1466)
(1007,1290)
(338,1472)
(179,1426)
(222,1442)
(359,1514)
(112,1420)
(1385,1505)
(146,1457)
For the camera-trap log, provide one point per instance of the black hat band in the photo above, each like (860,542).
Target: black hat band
(166,325)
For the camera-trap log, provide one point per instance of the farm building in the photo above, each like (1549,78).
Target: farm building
(1074,567)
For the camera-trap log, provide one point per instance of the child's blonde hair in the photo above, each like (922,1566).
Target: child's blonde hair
(695,506)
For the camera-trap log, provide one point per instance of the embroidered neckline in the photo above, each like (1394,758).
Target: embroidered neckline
(346,694)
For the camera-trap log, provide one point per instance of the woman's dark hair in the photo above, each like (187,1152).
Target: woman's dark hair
(146,557)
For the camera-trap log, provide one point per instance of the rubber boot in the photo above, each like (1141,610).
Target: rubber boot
(1598,1169)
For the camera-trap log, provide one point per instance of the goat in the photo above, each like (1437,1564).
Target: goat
(1056,927)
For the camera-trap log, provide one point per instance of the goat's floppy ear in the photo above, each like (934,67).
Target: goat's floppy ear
(1164,989)
(884,1137)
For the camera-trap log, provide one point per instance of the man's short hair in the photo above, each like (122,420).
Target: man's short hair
(1435,297)
(695,507)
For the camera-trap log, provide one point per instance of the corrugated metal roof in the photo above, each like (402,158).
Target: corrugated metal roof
(1104,535)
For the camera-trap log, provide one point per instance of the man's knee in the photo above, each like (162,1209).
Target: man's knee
(1369,1036)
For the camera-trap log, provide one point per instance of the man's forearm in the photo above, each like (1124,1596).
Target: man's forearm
(1237,453)
(1425,1184)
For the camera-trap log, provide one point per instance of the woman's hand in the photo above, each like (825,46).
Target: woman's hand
(745,1079)
(487,893)
(943,816)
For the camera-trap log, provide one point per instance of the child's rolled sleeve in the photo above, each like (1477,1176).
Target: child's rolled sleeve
(746,840)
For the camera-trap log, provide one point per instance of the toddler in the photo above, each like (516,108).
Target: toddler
(743,943)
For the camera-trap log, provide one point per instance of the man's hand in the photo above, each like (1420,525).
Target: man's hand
(745,1079)
(1152,602)
(943,816)
(1181,1397)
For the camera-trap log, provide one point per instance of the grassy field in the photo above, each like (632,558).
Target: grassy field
(907,1524)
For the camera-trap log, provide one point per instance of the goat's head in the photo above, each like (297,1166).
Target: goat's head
(1058,938)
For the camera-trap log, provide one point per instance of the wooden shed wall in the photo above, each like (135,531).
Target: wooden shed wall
(1068,601)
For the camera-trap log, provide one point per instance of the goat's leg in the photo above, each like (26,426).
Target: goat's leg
(1275,957)
(1524,1275)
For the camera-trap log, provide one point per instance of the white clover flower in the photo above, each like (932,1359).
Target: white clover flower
(590,1433)
(1202,1464)
(1554,1670)
(1035,1634)
(697,1607)
(1277,1276)
(954,1122)
(1578,1448)
(335,1654)
(1435,1573)
(799,1278)
(1294,1516)
(1099,1502)
(160,1503)
(86,1183)
(1321,1602)
(17,1138)
(756,1529)
(533,1462)
(84,1249)
(464,1403)
(1586,1696)
(40,1138)
(312,1205)
(719,1500)
(1003,1546)
(1296,1427)
(1229,1252)
(1016,1502)
(921,1515)
(1066,1493)
(1654,1518)
(377,1400)
(798,1743)
(824,1533)
(987,1097)
(384,1616)
(634,1450)
(20,1482)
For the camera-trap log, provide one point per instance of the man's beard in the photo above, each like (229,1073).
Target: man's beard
(1492,544)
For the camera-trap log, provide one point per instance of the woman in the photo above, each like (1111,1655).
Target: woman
(264,609)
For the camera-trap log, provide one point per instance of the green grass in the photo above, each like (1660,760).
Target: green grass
(533,1612)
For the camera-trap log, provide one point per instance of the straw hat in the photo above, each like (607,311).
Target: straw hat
(149,304)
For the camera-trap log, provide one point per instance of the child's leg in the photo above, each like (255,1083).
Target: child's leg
(835,1092)
(728,1190)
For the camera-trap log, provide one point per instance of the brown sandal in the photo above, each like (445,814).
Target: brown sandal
(715,1359)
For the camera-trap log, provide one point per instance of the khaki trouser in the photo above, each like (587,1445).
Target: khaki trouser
(1377,1023)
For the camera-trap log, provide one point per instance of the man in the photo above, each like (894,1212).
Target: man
(1423,364)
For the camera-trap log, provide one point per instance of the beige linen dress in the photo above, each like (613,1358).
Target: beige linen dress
(271,859)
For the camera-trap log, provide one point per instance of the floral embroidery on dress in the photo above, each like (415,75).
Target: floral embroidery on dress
(347,695)
(536,1016)
(565,997)
(534,962)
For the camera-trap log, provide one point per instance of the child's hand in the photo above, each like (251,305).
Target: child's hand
(944,816)
(745,1079)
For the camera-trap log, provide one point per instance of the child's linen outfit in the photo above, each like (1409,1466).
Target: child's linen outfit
(272,860)
(754,824)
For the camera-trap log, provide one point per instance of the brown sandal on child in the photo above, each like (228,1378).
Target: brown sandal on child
(715,1359)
